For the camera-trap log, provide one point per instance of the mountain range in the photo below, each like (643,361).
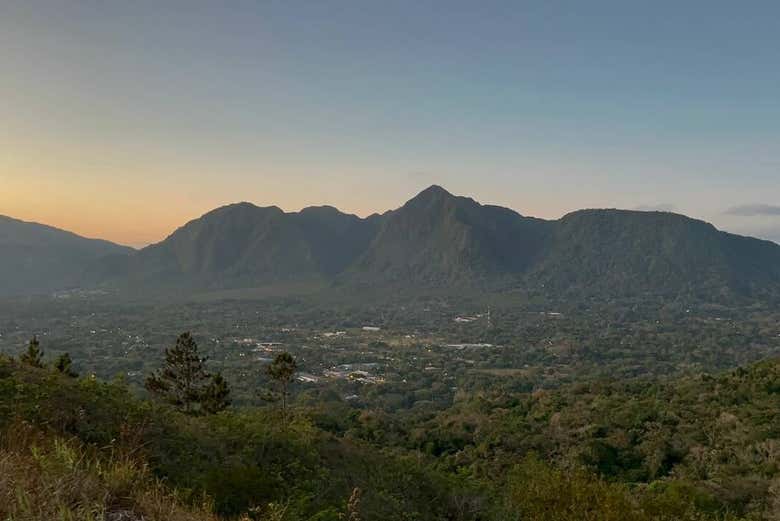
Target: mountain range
(436,240)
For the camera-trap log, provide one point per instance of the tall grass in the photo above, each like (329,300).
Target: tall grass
(45,477)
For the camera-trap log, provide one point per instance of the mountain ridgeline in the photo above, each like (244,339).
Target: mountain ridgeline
(35,258)
(444,242)
(242,245)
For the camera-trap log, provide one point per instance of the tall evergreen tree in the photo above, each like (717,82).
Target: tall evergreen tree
(282,370)
(64,365)
(183,379)
(34,354)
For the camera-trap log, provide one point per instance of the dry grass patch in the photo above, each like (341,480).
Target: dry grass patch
(46,478)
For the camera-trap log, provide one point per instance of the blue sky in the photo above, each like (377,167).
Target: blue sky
(124,120)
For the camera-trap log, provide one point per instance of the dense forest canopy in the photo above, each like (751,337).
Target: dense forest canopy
(697,447)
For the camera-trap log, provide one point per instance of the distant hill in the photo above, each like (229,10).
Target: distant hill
(242,245)
(444,242)
(35,258)
(626,253)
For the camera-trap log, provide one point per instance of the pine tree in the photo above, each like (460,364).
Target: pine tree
(183,379)
(217,395)
(282,370)
(64,365)
(34,354)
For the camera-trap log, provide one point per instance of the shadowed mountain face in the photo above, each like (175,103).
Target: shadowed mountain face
(36,259)
(617,252)
(244,245)
(335,239)
(441,241)
(437,240)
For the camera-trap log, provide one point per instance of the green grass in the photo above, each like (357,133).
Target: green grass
(45,477)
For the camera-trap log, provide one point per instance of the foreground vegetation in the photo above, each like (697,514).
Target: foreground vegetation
(696,448)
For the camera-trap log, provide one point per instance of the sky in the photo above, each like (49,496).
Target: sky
(123,120)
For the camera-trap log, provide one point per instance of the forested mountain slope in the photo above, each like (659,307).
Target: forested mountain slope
(35,258)
(437,239)
(619,252)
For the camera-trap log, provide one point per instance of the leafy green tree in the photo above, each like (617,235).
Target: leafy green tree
(183,380)
(536,491)
(34,354)
(64,365)
(282,371)
(217,395)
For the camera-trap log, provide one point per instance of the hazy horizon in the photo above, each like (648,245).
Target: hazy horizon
(124,121)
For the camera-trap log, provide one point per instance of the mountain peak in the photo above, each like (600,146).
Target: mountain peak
(323,210)
(242,208)
(433,196)
(434,191)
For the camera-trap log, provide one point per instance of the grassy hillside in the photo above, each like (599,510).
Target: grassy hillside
(700,448)
(46,476)
(240,463)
